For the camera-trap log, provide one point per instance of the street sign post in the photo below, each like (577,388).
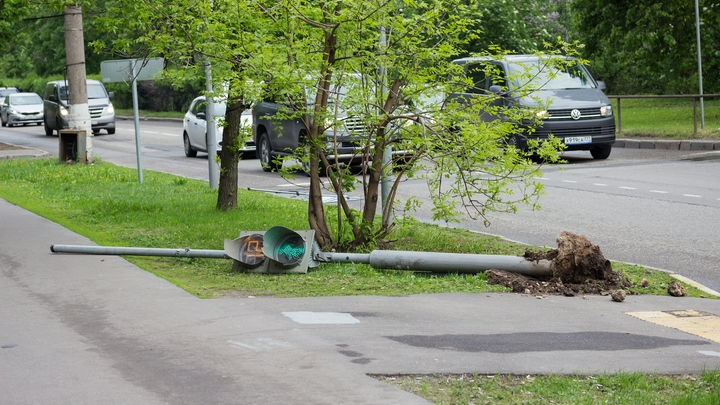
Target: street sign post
(132,70)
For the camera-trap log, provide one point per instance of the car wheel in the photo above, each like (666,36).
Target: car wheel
(266,157)
(189,151)
(601,152)
(111,131)
(2,121)
(48,130)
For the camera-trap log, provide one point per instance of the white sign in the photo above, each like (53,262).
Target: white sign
(114,71)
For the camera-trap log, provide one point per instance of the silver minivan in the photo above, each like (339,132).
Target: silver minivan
(55,106)
(578,112)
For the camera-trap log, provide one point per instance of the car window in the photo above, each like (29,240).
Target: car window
(24,100)
(541,75)
(93,90)
(476,73)
(5,92)
(96,91)
(199,107)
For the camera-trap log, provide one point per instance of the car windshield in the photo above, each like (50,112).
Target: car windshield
(5,92)
(542,76)
(26,100)
(93,91)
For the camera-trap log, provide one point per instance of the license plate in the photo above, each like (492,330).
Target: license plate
(577,140)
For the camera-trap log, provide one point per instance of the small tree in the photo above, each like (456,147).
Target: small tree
(230,35)
(392,60)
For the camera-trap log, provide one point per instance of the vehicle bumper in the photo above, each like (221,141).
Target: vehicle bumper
(19,119)
(104,122)
(600,130)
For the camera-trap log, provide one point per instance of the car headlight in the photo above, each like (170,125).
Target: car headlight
(606,111)
(542,114)
(13,111)
(111,109)
(63,111)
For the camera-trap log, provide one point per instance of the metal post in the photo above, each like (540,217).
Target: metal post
(619,125)
(694,117)
(137,119)
(213,170)
(699,59)
(386,179)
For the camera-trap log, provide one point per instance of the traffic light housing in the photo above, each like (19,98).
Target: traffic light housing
(277,250)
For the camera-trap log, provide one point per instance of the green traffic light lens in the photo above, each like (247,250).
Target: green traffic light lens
(290,249)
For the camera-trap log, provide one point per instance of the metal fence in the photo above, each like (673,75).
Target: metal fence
(695,98)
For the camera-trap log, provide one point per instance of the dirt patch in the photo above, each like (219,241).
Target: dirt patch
(578,267)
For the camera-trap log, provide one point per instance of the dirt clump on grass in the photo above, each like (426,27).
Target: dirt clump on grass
(577,265)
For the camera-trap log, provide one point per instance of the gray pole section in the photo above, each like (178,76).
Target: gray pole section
(79,113)
(130,251)
(699,58)
(386,179)
(444,262)
(137,118)
(213,170)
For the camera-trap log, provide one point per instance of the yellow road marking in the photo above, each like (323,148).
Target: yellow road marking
(699,323)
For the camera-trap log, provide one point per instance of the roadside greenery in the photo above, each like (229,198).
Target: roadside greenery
(618,389)
(107,204)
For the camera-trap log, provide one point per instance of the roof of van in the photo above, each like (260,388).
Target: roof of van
(507,58)
(87,81)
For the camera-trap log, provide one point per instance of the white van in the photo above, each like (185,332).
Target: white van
(55,107)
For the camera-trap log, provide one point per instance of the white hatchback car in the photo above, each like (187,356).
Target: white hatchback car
(195,128)
(21,109)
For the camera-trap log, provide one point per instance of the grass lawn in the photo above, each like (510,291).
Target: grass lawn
(670,118)
(107,204)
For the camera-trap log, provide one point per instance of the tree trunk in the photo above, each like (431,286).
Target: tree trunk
(229,155)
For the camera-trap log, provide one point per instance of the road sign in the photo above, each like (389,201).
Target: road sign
(113,71)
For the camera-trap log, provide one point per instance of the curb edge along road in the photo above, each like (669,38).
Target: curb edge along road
(694,144)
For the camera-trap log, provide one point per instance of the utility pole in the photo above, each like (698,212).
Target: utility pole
(79,114)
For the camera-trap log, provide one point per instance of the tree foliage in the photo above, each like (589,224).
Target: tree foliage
(392,59)
(650,47)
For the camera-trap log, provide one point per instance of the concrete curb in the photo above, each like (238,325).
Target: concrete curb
(127,118)
(695,144)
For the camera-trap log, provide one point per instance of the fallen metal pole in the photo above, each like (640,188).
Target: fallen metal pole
(444,262)
(109,250)
(379,259)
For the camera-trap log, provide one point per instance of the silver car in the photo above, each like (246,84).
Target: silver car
(195,127)
(21,109)
(4,92)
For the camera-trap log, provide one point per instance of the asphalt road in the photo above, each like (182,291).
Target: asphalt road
(658,208)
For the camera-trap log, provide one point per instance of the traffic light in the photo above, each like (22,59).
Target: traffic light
(277,250)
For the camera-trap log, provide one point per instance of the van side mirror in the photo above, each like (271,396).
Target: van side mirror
(53,98)
(495,89)
(601,85)
(111,94)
